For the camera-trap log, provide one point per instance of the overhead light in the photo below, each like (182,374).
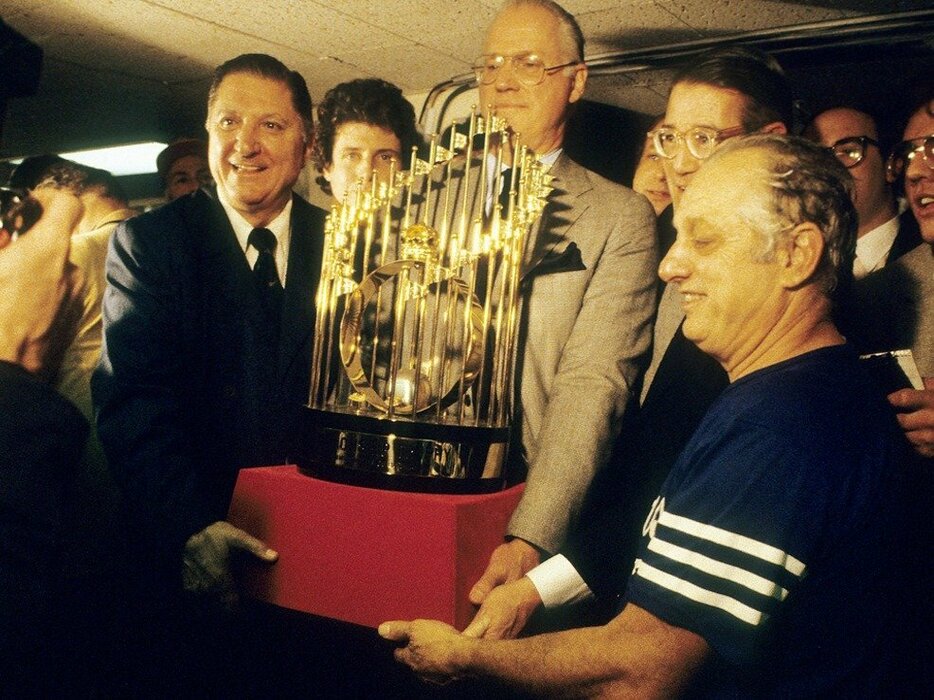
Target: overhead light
(131,159)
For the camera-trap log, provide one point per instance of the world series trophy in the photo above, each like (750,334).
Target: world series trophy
(418,308)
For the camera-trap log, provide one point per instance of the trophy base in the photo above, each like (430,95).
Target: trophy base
(402,455)
(364,555)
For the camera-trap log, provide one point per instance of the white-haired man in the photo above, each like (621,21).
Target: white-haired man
(777,532)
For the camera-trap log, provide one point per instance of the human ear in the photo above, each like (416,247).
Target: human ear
(800,255)
(580,82)
(773,128)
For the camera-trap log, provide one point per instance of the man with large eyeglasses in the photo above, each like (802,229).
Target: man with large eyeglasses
(703,113)
(715,97)
(589,286)
(853,137)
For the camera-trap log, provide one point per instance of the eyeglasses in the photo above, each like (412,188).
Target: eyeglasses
(701,141)
(529,69)
(851,150)
(906,150)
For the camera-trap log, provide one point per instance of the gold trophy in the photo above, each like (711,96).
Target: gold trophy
(418,312)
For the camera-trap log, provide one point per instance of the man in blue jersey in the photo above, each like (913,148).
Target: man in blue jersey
(769,558)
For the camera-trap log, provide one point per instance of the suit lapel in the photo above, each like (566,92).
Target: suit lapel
(667,321)
(227,280)
(908,237)
(305,255)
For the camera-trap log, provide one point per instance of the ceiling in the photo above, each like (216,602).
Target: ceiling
(118,71)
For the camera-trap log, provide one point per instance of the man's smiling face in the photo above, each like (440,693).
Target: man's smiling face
(256,145)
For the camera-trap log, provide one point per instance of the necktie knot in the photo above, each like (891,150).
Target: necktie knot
(263,240)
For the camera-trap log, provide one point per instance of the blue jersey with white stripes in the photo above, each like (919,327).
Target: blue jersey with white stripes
(776,537)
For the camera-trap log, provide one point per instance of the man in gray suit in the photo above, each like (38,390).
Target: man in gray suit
(589,287)
(720,94)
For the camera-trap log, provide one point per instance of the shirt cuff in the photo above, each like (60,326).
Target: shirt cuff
(558,582)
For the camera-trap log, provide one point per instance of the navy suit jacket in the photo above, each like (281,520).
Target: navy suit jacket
(191,387)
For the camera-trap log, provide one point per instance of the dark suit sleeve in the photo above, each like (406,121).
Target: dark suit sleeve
(42,438)
(138,386)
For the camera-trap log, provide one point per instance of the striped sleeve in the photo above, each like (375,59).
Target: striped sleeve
(727,542)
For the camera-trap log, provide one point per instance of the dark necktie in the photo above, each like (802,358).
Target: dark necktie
(265,274)
(506,179)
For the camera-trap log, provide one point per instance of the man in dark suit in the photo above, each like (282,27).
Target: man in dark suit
(721,94)
(206,361)
(853,137)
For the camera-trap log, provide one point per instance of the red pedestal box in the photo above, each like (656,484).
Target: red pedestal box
(365,555)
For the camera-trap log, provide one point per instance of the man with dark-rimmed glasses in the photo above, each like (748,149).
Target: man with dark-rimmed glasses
(853,137)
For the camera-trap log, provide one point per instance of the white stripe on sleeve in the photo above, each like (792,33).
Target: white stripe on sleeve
(693,592)
(741,543)
(735,574)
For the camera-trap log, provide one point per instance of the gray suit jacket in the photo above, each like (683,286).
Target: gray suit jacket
(588,327)
(894,308)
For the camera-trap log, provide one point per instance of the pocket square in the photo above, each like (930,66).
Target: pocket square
(567,260)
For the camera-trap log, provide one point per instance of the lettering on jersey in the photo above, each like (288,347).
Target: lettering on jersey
(655,512)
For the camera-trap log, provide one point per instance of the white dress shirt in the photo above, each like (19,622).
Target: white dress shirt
(280,227)
(872,248)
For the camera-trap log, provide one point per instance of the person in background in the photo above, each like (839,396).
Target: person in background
(853,137)
(183,168)
(103,206)
(649,179)
(30,170)
(92,557)
(364,126)
(893,310)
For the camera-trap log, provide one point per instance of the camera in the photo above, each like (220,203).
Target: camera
(18,211)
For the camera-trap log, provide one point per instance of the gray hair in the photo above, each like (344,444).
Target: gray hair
(806,184)
(572,38)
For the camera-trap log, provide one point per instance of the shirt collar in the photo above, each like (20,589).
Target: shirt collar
(280,227)
(872,248)
(548,160)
